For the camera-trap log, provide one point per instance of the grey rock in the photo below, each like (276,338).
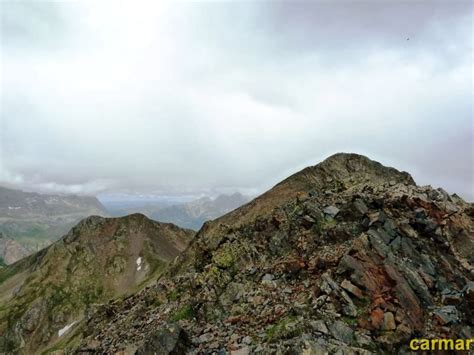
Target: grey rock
(408,248)
(170,339)
(247,340)
(396,244)
(331,211)
(427,266)
(267,278)
(417,284)
(362,339)
(232,293)
(242,351)
(360,206)
(341,331)
(447,315)
(390,228)
(377,243)
(319,326)
(206,337)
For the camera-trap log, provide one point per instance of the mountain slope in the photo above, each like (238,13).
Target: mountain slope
(45,295)
(36,220)
(348,255)
(11,250)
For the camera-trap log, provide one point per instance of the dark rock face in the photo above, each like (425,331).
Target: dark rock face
(170,340)
(347,256)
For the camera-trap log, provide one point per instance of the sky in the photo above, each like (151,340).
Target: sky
(173,98)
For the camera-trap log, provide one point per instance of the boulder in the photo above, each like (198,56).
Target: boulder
(331,211)
(171,339)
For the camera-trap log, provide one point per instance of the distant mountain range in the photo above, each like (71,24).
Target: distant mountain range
(35,220)
(189,214)
(30,221)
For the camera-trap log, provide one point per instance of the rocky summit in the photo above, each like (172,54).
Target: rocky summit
(44,297)
(346,257)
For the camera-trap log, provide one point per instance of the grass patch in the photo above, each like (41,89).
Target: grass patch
(286,328)
(185,312)
(173,295)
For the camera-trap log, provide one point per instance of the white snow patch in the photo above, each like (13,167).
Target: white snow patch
(13,208)
(65,329)
(139,263)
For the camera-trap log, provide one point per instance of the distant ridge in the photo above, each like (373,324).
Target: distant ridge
(35,220)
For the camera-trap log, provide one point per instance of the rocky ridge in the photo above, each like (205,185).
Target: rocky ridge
(347,256)
(44,297)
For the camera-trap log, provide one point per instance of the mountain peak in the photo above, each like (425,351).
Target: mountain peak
(351,163)
(347,169)
(339,172)
(98,260)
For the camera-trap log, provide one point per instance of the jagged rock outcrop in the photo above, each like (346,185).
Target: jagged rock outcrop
(347,256)
(44,297)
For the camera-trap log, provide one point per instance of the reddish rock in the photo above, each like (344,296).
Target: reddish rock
(376,318)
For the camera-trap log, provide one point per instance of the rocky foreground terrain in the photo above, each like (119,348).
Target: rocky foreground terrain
(346,257)
(36,220)
(46,295)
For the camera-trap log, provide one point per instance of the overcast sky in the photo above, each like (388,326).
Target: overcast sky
(155,97)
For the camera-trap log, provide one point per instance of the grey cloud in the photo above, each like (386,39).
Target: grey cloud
(194,97)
